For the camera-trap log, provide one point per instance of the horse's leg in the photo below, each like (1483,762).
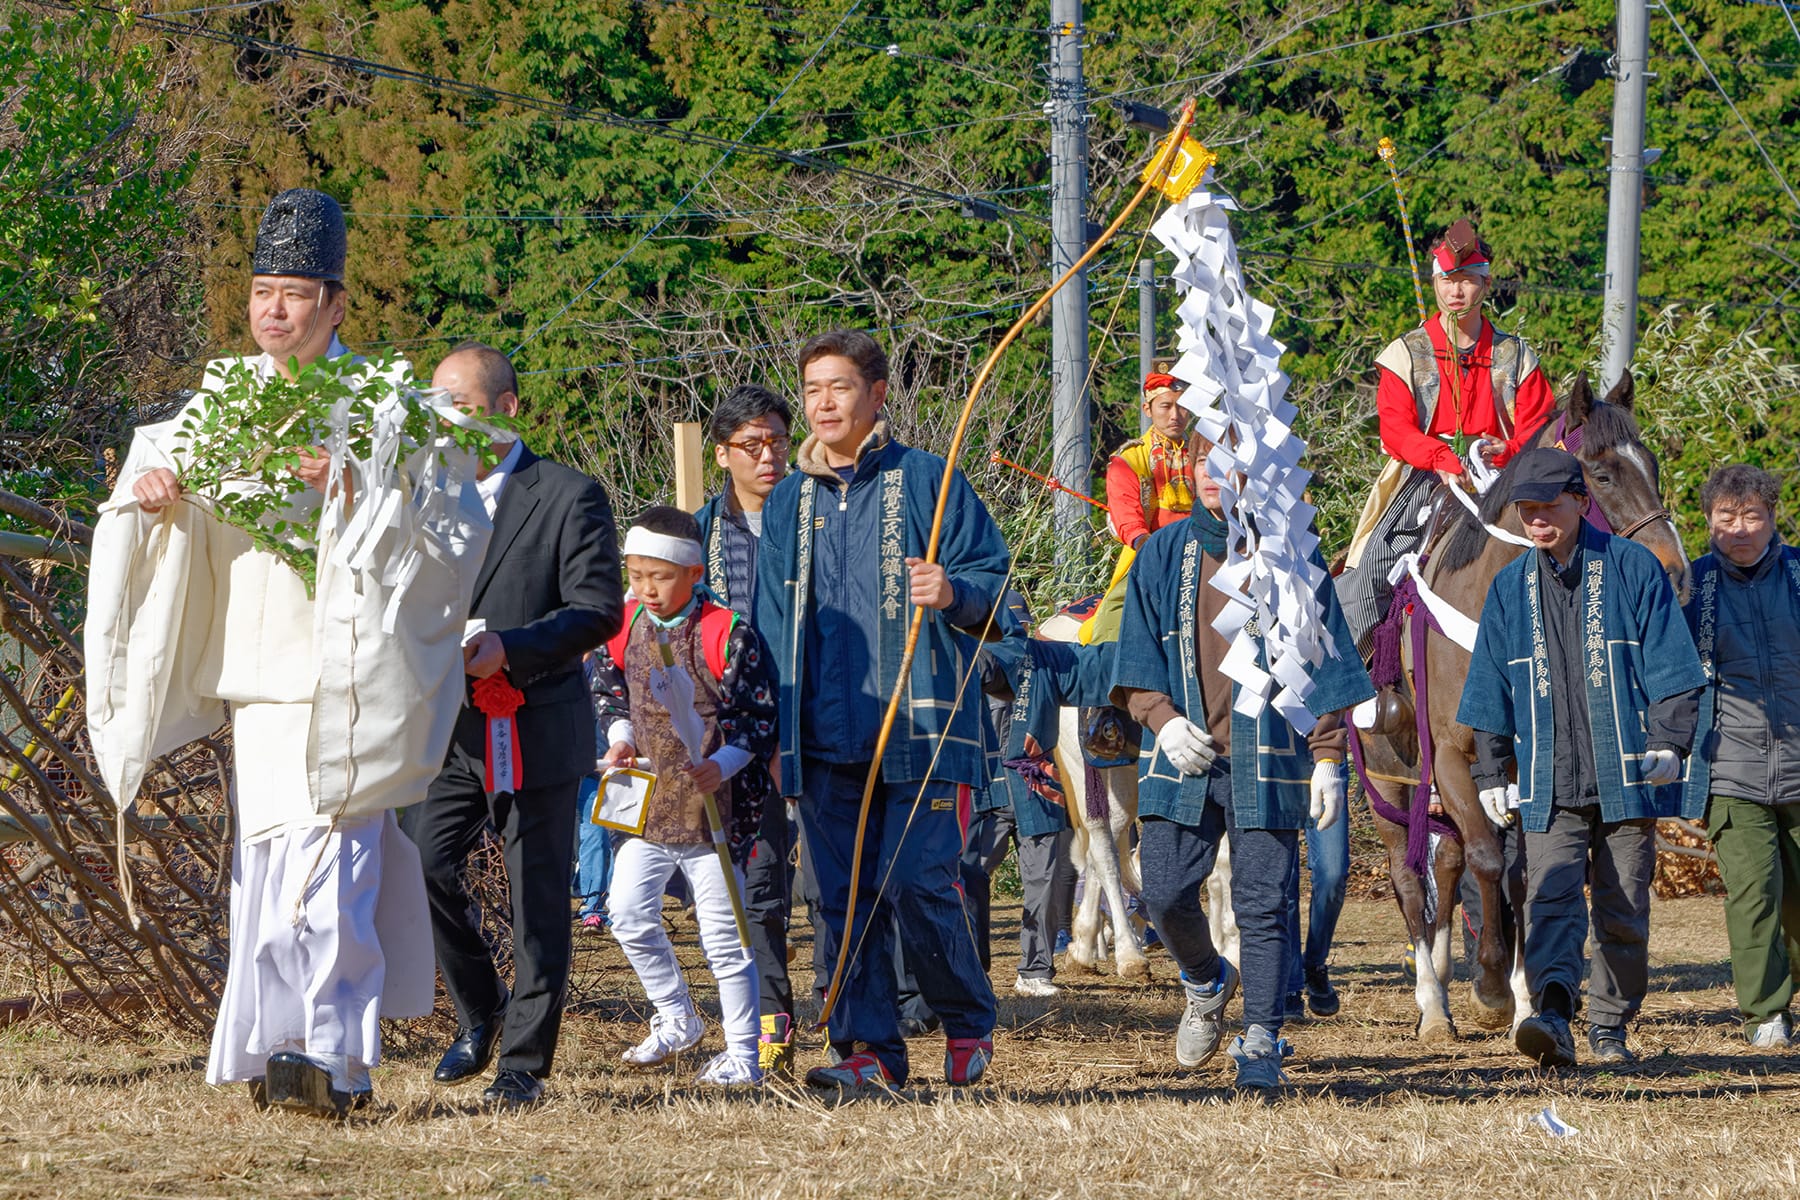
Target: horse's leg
(1409,894)
(1127,945)
(1446,871)
(1513,889)
(1221,918)
(1481,854)
(1084,930)
(1085,949)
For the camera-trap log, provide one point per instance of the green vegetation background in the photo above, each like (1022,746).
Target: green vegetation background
(475,216)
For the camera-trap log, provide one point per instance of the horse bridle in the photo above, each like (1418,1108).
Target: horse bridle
(1570,440)
(1661,514)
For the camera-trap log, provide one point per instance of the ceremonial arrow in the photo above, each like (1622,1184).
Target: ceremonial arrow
(1054,484)
(1154,178)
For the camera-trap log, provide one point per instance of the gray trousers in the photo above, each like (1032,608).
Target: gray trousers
(1622,855)
(1364,592)
(988,842)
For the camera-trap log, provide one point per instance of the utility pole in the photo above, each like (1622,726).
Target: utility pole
(1146,330)
(1626,198)
(1071,436)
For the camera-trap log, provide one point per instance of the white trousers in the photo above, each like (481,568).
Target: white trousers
(641,869)
(307,970)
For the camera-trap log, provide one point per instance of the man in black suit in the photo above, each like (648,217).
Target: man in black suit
(548,592)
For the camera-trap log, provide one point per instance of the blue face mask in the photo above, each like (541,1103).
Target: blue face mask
(674,622)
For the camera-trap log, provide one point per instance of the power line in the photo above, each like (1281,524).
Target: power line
(935,22)
(194,12)
(696,354)
(1202,78)
(1720,88)
(698,183)
(995,310)
(1264,64)
(1407,170)
(1517,286)
(568,112)
(625,217)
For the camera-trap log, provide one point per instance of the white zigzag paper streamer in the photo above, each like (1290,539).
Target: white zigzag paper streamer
(1236,390)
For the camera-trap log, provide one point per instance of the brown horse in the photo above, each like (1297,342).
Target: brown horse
(1622,478)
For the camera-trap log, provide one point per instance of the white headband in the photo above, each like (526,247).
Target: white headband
(683,552)
(1481,269)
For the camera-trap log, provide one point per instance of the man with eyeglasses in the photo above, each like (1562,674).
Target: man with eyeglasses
(749,430)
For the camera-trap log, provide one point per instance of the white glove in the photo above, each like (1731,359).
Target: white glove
(1661,766)
(1494,804)
(1186,745)
(1327,792)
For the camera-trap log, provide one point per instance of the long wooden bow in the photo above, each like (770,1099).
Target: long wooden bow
(1153,178)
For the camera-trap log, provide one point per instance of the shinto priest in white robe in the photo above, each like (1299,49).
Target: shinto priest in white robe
(341,709)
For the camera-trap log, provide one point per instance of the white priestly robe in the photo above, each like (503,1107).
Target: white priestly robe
(334,721)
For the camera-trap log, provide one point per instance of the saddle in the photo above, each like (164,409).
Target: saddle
(1394,755)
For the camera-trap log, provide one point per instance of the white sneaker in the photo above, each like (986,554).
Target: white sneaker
(1773,1034)
(669,1036)
(1034,987)
(731,1070)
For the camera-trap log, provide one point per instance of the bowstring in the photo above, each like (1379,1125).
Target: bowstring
(1012,561)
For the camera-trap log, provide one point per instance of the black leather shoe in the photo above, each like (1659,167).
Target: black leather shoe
(514,1089)
(473,1049)
(302,1084)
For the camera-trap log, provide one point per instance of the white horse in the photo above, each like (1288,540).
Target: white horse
(1112,868)
(1101,851)
(1100,847)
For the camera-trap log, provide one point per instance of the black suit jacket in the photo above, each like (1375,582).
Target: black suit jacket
(549,587)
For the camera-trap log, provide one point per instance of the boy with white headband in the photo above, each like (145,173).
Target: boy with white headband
(734,697)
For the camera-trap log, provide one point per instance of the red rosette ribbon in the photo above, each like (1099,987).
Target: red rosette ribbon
(498,700)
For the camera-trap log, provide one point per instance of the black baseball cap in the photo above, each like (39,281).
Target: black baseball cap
(1543,473)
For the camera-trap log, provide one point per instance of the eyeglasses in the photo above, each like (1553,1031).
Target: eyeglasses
(755,448)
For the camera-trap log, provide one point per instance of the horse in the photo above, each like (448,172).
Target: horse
(1101,819)
(1623,482)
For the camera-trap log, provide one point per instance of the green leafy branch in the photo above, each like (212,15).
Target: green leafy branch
(245,435)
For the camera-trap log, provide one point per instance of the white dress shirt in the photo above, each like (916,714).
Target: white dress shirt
(490,485)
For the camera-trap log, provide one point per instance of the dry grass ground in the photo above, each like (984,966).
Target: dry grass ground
(1083,1101)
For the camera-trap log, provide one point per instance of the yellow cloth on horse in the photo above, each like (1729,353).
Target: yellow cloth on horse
(1103,626)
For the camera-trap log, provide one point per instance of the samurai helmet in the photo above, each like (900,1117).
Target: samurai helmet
(302,233)
(1460,248)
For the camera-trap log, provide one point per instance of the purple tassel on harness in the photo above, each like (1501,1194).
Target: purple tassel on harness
(1386,671)
(1385,667)
(1096,800)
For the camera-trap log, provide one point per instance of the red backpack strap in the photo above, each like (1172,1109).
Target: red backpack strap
(615,646)
(716,624)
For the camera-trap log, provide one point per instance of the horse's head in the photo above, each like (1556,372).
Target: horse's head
(1622,474)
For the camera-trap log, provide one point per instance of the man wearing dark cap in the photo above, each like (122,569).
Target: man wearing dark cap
(329,928)
(1584,686)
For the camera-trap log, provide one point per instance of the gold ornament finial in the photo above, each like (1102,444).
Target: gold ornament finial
(1184,172)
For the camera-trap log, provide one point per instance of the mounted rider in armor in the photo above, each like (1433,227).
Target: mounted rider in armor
(1439,407)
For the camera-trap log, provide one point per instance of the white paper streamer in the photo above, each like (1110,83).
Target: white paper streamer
(1237,392)
(403,496)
